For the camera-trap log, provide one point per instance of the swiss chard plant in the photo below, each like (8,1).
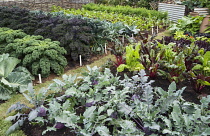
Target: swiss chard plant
(132,62)
(200,73)
(149,56)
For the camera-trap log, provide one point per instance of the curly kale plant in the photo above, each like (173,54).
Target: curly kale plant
(39,55)
(8,36)
(75,36)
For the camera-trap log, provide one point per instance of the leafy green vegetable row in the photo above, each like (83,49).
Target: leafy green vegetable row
(38,55)
(179,58)
(142,23)
(76,35)
(126,10)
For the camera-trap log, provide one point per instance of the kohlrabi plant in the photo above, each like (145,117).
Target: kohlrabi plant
(24,113)
(99,103)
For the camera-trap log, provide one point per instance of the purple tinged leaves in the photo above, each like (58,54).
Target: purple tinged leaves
(135,96)
(41,112)
(94,82)
(59,125)
(89,104)
(114,115)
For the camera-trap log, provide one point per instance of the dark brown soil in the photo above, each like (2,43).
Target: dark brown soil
(36,130)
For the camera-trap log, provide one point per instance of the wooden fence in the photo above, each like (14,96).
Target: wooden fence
(44,5)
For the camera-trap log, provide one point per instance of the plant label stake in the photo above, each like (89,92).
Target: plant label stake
(123,39)
(80,60)
(40,79)
(152,29)
(157,27)
(105,49)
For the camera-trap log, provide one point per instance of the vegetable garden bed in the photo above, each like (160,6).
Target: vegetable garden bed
(148,100)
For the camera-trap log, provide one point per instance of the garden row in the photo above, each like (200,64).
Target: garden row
(126,10)
(77,35)
(174,58)
(143,22)
(99,103)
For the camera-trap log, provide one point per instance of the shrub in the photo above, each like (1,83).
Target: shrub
(39,55)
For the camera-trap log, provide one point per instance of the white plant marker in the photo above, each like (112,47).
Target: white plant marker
(105,49)
(157,27)
(40,79)
(80,60)
(152,29)
(123,39)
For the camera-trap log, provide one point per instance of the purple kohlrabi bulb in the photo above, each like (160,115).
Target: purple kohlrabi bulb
(89,104)
(59,125)
(41,112)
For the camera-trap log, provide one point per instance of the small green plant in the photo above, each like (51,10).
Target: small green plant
(200,73)
(26,113)
(132,59)
(187,24)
